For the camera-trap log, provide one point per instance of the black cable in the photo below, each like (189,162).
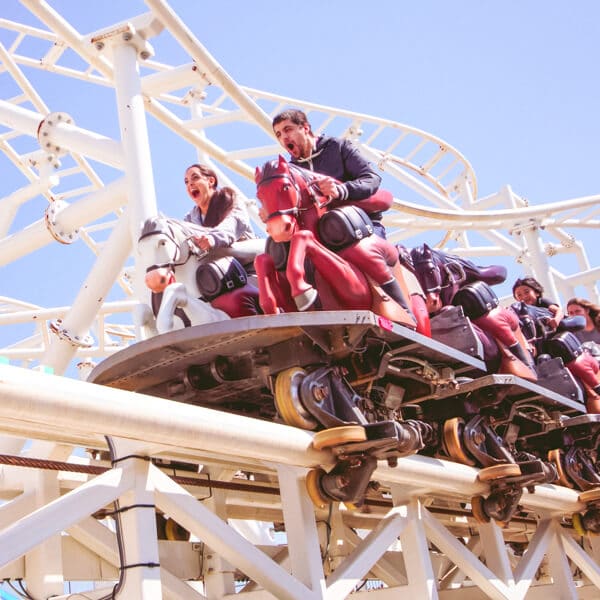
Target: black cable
(123,509)
(16,591)
(136,565)
(114,461)
(118,526)
(27,594)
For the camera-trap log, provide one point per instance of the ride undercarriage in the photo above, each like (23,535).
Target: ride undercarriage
(407,460)
(374,390)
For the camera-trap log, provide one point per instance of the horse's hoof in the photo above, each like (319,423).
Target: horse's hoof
(306,299)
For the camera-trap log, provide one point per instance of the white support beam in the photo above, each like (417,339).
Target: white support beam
(301,529)
(44,561)
(494,550)
(586,563)
(187,511)
(62,136)
(415,550)
(214,71)
(357,565)
(28,532)
(559,567)
(140,567)
(75,327)
(525,572)
(36,236)
(481,576)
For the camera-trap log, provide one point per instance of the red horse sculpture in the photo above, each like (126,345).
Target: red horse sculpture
(363,275)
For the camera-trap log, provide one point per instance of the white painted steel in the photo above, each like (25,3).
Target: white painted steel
(51,402)
(58,410)
(213,71)
(37,404)
(74,330)
(36,235)
(62,136)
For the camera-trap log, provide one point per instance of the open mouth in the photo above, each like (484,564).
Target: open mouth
(195,193)
(290,146)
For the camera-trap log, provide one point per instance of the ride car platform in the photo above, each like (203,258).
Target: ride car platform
(232,360)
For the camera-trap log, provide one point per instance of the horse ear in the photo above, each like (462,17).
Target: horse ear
(282,163)
(257,174)
(426,247)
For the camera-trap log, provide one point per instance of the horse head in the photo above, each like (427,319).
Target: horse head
(163,246)
(290,198)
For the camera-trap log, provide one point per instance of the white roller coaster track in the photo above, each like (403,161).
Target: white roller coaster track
(423,542)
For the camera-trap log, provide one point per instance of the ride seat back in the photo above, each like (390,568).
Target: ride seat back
(278,251)
(564,345)
(477,299)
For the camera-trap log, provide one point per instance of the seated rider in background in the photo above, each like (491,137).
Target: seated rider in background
(347,174)
(529,291)
(564,345)
(591,312)
(217,220)
(215,208)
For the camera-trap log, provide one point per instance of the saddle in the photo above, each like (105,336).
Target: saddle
(341,227)
(477,299)
(220,276)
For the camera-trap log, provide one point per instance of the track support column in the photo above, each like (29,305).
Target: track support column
(129,44)
(136,523)
(415,549)
(301,529)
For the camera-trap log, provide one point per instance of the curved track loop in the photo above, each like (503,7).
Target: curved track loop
(73,201)
(438,175)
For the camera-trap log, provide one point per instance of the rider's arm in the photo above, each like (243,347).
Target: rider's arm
(555,310)
(557,315)
(360,179)
(235,226)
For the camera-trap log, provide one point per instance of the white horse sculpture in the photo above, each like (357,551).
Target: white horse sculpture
(166,247)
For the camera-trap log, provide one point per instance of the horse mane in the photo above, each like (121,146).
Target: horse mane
(152,226)
(273,167)
(269,169)
(160,224)
(441,258)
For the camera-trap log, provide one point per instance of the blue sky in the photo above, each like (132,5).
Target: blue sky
(512,85)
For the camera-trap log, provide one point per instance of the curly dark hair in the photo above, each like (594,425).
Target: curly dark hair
(531,282)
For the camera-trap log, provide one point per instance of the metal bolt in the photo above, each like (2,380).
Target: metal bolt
(99,45)
(144,55)
(127,36)
(319,393)
(479,438)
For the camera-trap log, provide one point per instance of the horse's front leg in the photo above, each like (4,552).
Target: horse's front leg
(349,286)
(273,290)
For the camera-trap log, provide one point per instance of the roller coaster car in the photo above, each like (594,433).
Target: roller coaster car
(369,388)
(572,447)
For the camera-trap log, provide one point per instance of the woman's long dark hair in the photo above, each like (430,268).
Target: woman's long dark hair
(222,200)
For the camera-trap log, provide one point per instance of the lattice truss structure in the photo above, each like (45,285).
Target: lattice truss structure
(88,191)
(78,182)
